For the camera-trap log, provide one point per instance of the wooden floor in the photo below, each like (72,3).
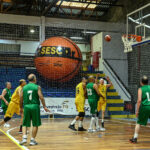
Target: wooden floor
(55,135)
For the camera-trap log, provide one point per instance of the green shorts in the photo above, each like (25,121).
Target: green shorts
(31,113)
(93,106)
(144,114)
(4,109)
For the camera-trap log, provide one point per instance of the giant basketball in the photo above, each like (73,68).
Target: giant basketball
(58,59)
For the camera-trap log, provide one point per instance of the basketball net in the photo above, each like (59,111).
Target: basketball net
(129,40)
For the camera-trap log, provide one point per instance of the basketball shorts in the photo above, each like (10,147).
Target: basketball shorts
(101,105)
(12,109)
(93,106)
(144,114)
(31,113)
(79,106)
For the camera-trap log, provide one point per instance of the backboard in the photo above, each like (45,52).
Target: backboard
(137,23)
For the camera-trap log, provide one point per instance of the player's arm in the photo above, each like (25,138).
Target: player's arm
(3,98)
(21,101)
(42,99)
(139,101)
(95,86)
(96,80)
(85,91)
(109,83)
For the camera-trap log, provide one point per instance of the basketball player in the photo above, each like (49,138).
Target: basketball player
(93,97)
(143,107)
(6,97)
(79,102)
(102,100)
(14,105)
(30,96)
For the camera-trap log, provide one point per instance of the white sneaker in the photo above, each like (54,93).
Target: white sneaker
(24,141)
(102,129)
(98,129)
(91,130)
(6,125)
(33,142)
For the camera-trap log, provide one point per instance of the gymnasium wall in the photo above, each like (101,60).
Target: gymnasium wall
(29,47)
(114,54)
(138,65)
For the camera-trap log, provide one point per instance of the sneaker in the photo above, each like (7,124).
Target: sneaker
(20,131)
(102,129)
(98,129)
(72,127)
(24,141)
(33,142)
(133,140)
(102,124)
(91,130)
(81,129)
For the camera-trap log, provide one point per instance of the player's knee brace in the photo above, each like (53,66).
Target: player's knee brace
(7,119)
(94,115)
(81,114)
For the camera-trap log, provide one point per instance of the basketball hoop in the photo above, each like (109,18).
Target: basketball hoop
(128,41)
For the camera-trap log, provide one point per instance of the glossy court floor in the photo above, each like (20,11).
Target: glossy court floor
(55,135)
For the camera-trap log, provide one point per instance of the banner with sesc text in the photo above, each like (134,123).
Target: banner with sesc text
(63,106)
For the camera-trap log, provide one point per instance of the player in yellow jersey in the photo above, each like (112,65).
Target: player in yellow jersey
(14,105)
(79,102)
(102,100)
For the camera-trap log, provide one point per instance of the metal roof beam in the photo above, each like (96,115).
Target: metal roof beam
(49,7)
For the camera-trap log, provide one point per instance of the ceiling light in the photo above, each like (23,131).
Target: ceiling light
(89,32)
(32,30)
(77,38)
(76,4)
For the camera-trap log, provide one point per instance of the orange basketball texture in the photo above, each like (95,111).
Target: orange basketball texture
(58,59)
(108,38)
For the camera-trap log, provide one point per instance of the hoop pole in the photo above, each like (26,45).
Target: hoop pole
(127,26)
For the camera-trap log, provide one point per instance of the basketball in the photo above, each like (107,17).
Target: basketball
(58,59)
(108,38)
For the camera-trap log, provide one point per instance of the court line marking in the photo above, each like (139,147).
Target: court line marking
(129,123)
(13,139)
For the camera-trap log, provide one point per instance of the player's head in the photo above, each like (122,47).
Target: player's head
(32,78)
(101,81)
(84,80)
(22,82)
(144,80)
(91,79)
(8,85)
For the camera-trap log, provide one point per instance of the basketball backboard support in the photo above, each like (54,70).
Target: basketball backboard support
(137,23)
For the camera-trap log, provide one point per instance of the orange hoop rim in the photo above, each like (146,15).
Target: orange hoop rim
(138,38)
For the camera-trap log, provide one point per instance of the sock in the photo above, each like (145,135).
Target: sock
(80,124)
(73,122)
(97,124)
(92,122)
(20,127)
(135,135)
(32,139)
(102,120)
(24,137)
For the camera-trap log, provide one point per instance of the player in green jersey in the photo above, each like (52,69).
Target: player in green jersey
(29,97)
(6,97)
(143,107)
(93,97)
